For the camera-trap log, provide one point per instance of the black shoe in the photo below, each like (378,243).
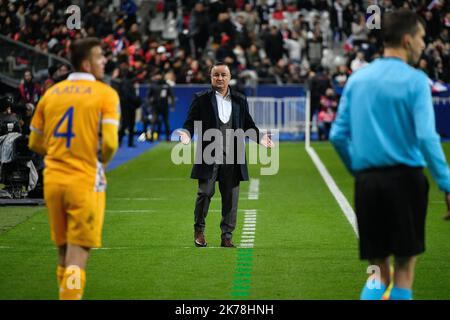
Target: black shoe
(199,239)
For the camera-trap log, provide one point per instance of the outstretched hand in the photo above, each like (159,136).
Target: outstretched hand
(267,142)
(184,137)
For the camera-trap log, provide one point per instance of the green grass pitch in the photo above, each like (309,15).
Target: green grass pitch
(304,246)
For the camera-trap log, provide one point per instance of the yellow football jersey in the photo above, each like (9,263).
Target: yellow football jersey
(69,117)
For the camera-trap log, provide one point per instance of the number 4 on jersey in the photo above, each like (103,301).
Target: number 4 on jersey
(68,134)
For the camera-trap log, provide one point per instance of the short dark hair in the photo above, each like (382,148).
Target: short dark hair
(399,23)
(81,49)
(219,63)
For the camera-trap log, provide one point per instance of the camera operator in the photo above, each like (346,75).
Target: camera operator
(9,121)
(15,121)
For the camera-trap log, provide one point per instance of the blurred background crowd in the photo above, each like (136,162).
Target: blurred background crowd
(153,42)
(159,44)
(271,41)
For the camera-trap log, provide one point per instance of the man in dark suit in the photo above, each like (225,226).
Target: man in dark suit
(226,110)
(129,102)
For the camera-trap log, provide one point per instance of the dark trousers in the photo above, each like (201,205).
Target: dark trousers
(229,190)
(127,122)
(157,125)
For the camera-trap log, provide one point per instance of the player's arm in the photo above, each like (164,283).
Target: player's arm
(429,141)
(340,134)
(36,141)
(110,127)
(110,140)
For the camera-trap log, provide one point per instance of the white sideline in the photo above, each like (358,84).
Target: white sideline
(334,189)
(249,227)
(253,192)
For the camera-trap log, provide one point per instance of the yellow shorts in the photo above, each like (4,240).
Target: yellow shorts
(76,214)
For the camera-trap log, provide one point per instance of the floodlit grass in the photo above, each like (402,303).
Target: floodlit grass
(304,246)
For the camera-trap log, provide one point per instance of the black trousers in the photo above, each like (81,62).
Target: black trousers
(156,126)
(127,122)
(229,190)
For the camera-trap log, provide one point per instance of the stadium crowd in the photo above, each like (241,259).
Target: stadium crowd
(264,41)
(320,42)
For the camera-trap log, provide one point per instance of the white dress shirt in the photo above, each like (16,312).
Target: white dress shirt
(224,106)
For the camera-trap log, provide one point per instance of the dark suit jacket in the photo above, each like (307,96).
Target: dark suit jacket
(204,108)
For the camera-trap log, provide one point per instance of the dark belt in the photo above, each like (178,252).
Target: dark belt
(400,167)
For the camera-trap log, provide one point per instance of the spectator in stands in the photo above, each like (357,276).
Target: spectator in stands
(9,27)
(294,46)
(20,14)
(314,45)
(52,74)
(41,24)
(129,8)
(273,44)
(423,65)
(63,72)
(337,20)
(199,28)
(251,18)
(30,91)
(358,62)
(129,102)
(170,6)
(340,78)
(299,25)
(327,113)
(432,25)
(280,71)
(25,118)
(253,57)
(93,19)
(239,53)
(319,81)
(224,30)
(134,34)
(294,74)
(242,37)
(360,31)
(57,73)
(349,16)
(161,98)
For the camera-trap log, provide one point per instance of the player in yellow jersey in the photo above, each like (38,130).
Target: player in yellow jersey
(76,127)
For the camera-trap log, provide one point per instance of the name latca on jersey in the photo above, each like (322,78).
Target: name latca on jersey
(69,116)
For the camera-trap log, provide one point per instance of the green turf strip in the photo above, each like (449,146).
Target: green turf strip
(11,216)
(241,282)
(305,248)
